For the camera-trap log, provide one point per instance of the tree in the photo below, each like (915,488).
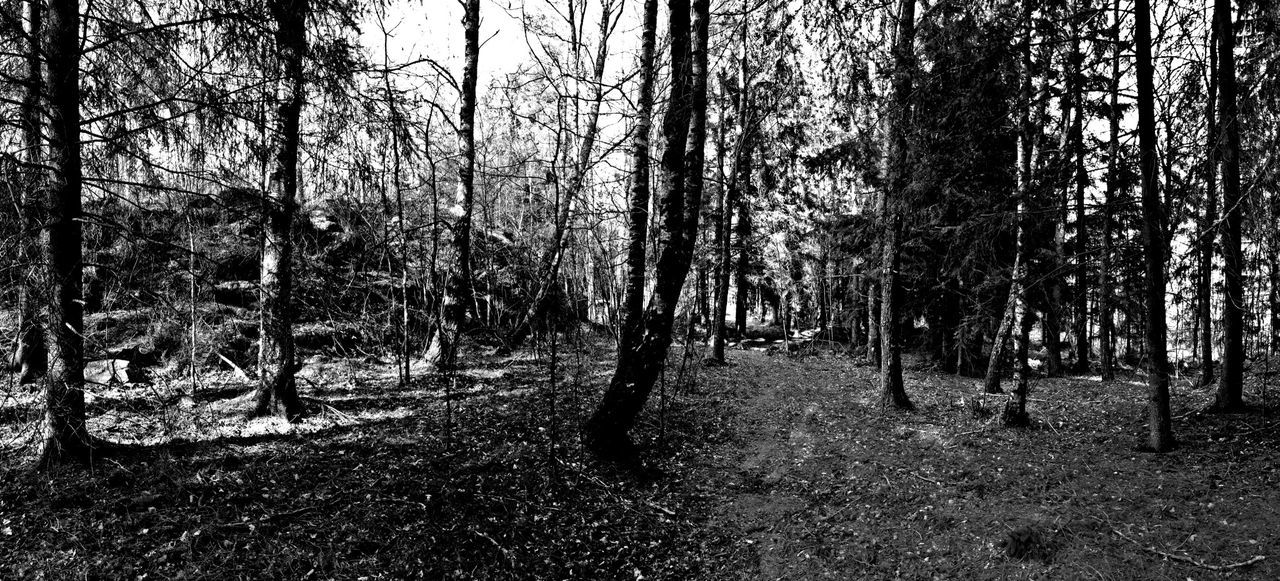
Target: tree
(1208,224)
(277,361)
(1015,409)
(1160,436)
(638,217)
(1076,153)
(684,136)
(443,351)
(1230,393)
(28,357)
(733,199)
(553,255)
(892,390)
(65,434)
(1106,310)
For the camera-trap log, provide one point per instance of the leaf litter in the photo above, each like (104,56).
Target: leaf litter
(775,467)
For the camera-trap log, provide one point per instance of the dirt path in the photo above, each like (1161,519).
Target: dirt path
(819,483)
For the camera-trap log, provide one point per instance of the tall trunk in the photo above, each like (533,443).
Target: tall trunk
(443,351)
(28,356)
(740,179)
(742,244)
(684,130)
(1054,285)
(1161,429)
(1230,394)
(892,391)
(277,389)
(65,434)
(1106,308)
(553,255)
(722,248)
(638,223)
(1015,409)
(1081,296)
(1204,288)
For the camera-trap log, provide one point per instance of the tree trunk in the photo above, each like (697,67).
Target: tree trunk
(1081,296)
(742,241)
(1208,227)
(65,434)
(873,321)
(722,248)
(1230,394)
(741,178)
(277,363)
(1161,430)
(443,351)
(28,357)
(684,131)
(991,384)
(1273,296)
(1106,309)
(638,223)
(892,391)
(1015,409)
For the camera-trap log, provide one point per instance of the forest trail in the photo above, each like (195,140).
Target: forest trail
(818,482)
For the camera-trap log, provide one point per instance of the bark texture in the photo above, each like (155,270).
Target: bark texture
(65,436)
(1160,435)
(277,361)
(1230,394)
(28,357)
(892,391)
(442,353)
(684,131)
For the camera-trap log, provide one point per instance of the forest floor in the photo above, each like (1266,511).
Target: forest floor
(775,467)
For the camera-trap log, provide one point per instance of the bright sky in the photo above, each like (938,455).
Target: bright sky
(433,29)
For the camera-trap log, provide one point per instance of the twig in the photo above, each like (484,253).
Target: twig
(239,372)
(1190,560)
(929,480)
(505,552)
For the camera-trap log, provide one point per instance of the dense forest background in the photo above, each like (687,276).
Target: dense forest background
(236,217)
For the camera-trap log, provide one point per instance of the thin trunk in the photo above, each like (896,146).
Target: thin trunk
(1054,285)
(873,321)
(892,391)
(638,224)
(1230,394)
(742,244)
(1106,308)
(1204,288)
(740,178)
(553,255)
(684,131)
(1015,409)
(1161,429)
(1273,296)
(722,249)
(443,351)
(28,357)
(277,389)
(1081,295)
(65,434)
(991,384)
